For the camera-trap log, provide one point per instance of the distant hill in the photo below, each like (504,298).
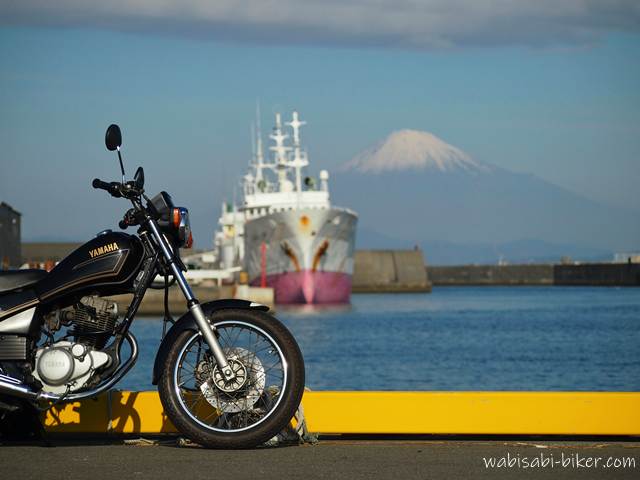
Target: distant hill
(416,189)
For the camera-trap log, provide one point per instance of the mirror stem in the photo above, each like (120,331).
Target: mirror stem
(121,166)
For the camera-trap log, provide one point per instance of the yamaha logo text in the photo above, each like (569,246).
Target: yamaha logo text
(96,252)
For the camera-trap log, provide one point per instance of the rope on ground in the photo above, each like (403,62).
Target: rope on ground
(294,436)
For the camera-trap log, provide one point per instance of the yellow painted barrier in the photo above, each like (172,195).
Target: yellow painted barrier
(529,413)
(565,413)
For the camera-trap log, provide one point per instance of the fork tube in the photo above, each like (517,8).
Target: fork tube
(205,327)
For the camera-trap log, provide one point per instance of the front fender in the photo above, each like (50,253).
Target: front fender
(187,322)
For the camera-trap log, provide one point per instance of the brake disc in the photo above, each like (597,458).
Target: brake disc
(239,394)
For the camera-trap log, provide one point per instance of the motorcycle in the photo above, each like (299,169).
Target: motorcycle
(229,374)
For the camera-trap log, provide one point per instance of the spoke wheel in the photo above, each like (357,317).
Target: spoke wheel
(252,407)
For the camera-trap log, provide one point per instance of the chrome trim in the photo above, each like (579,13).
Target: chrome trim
(19,323)
(207,329)
(15,388)
(184,228)
(9,379)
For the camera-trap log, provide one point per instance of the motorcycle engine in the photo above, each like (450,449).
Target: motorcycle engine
(67,364)
(70,364)
(94,319)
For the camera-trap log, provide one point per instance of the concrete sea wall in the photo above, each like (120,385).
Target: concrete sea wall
(594,274)
(378,271)
(598,274)
(491,275)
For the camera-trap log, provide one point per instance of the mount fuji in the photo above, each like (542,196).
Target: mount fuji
(413,188)
(413,150)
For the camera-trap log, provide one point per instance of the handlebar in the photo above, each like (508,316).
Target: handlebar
(97,183)
(119,190)
(113,188)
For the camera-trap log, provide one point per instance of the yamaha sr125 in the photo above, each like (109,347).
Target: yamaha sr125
(229,374)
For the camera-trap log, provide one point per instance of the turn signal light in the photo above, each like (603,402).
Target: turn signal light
(175,217)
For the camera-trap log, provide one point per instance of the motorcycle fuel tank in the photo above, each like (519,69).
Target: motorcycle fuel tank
(109,261)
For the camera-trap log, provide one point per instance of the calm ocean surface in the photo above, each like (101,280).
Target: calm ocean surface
(466,338)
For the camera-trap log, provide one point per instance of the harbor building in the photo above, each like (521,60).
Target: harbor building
(10,253)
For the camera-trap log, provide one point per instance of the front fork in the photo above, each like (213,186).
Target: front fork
(206,328)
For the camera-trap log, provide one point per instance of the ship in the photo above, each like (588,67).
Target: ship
(285,233)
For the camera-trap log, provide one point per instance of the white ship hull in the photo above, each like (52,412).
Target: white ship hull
(305,254)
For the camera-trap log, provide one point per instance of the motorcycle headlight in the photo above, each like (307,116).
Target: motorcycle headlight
(180,220)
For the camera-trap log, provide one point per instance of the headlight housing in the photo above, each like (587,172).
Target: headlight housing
(182,226)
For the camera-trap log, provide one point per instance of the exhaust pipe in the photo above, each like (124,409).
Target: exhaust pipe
(15,388)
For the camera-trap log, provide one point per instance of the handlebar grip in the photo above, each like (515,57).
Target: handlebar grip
(97,183)
(112,187)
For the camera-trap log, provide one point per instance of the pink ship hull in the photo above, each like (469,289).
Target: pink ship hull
(308,287)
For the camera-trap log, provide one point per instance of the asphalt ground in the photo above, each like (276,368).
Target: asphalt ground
(168,457)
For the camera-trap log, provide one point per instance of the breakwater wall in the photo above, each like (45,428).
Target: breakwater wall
(598,274)
(491,275)
(387,271)
(589,274)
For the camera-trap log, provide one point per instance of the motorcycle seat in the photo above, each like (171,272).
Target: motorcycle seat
(15,279)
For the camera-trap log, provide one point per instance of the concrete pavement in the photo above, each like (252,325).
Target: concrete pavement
(329,459)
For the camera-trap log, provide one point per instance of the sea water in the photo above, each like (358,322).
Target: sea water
(459,338)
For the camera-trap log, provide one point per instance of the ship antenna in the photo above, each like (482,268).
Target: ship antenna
(253,144)
(258,145)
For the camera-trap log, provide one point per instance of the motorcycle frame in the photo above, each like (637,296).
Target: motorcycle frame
(156,248)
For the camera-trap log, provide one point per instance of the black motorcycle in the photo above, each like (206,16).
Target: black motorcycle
(229,374)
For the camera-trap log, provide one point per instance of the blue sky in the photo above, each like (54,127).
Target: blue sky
(567,112)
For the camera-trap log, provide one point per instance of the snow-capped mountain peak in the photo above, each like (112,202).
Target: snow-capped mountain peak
(413,150)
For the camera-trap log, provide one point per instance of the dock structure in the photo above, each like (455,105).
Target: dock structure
(331,413)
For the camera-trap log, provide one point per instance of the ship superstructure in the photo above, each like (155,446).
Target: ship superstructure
(285,232)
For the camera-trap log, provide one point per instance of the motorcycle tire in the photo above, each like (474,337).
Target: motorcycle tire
(177,392)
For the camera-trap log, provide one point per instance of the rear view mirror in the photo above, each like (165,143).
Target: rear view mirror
(113,137)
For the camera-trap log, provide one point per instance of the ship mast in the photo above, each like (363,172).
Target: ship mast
(280,152)
(299,160)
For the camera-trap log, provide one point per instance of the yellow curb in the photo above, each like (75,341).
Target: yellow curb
(532,413)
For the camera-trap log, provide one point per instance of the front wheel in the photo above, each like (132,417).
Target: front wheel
(248,410)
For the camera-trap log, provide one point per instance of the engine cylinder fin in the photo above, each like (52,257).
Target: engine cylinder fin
(94,319)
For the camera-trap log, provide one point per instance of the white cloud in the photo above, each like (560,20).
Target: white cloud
(421,24)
